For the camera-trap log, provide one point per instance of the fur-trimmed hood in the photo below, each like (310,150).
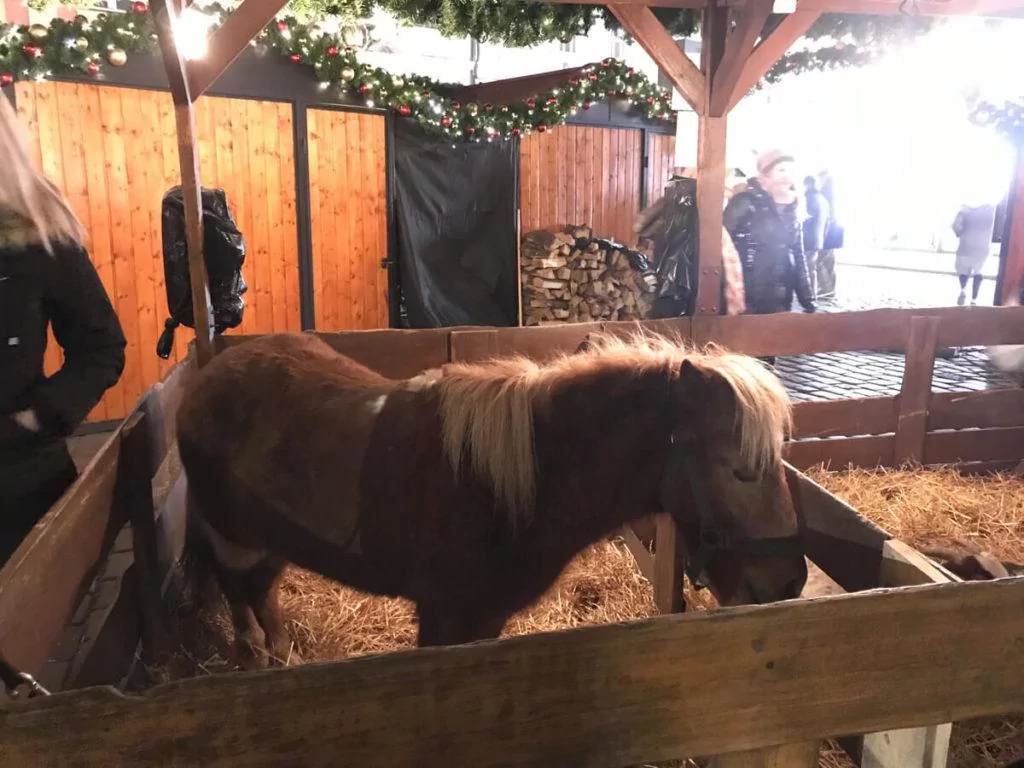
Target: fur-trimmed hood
(17,232)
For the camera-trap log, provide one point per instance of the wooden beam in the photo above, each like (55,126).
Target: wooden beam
(770,50)
(711,138)
(229,40)
(1013,267)
(888,659)
(644,27)
(804,755)
(188,159)
(915,391)
(738,46)
(669,554)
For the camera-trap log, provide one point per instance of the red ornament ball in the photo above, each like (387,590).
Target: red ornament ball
(592,76)
(588,104)
(6,78)
(514,131)
(446,122)
(405,110)
(541,128)
(606,63)
(139,7)
(92,68)
(611,94)
(471,130)
(332,51)
(31,50)
(530,103)
(427,94)
(282,26)
(456,105)
(552,100)
(650,99)
(574,81)
(295,58)
(364,88)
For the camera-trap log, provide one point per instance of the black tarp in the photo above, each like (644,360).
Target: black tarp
(456,233)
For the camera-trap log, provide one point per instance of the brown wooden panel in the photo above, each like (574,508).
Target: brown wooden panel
(848,417)
(581,175)
(968,445)
(116,187)
(841,452)
(916,390)
(567,698)
(967,326)
(348,204)
(967,410)
(661,161)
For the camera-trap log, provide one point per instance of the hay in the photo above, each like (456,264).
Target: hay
(602,585)
(928,508)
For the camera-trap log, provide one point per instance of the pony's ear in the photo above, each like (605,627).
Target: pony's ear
(691,378)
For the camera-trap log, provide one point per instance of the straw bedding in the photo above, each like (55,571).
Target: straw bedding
(602,585)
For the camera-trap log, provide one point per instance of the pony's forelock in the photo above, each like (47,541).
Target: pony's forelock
(487,408)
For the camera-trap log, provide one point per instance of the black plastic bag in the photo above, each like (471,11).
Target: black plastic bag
(671,224)
(224,254)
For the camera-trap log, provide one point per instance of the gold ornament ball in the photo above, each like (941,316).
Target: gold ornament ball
(117,57)
(347,74)
(38,31)
(82,43)
(473,108)
(398,81)
(504,107)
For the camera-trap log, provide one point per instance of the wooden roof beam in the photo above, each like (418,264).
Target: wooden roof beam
(768,51)
(229,40)
(739,44)
(641,23)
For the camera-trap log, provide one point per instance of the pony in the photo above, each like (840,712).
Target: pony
(467,489)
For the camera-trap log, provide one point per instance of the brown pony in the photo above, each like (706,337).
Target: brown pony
(467,489)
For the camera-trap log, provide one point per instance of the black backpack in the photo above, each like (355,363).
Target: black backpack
(224,253)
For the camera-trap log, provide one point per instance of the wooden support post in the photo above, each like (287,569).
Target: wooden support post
(738,46)
(135,490)
(916,390)
(711,135)
(1012,269)
(188,158)
(644,27)
(668,566)
(770,50)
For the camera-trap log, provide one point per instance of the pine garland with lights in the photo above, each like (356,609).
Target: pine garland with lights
(1007,119)
(81,46)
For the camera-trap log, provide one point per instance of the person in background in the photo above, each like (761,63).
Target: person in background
(814,229)
(46,279)
(762,221)
(973,226)
(835,237)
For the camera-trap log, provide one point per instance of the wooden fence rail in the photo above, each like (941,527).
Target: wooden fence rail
(614,695)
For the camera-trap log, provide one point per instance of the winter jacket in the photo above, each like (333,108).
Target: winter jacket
(974,226)
(816,221)
(769,240)
(62,291)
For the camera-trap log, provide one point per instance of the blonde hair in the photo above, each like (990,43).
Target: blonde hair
(26,193)
(487,408)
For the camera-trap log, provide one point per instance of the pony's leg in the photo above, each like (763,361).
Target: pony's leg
(454,626)
(247,656)
(264,589)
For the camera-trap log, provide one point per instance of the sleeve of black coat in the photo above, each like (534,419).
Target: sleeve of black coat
(87,329)
(801,276)
(736,220)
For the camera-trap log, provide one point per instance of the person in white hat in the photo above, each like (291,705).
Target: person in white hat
(762,221)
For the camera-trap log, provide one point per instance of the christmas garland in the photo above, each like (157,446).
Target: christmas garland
(1007,119)
(84,46)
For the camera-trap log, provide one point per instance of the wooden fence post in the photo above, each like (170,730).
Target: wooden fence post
(668,566)
(803,755)
(916,390)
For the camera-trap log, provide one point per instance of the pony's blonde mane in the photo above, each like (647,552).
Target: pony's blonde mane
(487,409)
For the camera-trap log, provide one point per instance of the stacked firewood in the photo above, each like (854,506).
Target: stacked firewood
(572,277)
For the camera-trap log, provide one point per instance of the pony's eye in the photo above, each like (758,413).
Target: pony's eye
(745,475)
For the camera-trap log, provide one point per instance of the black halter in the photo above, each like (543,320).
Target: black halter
(711,538)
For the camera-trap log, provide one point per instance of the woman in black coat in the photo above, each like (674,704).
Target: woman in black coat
(46,280)
(762,220)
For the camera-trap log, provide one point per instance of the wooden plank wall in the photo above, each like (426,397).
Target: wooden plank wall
(581,175)
(113,151)
(661,154)
(348,203)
